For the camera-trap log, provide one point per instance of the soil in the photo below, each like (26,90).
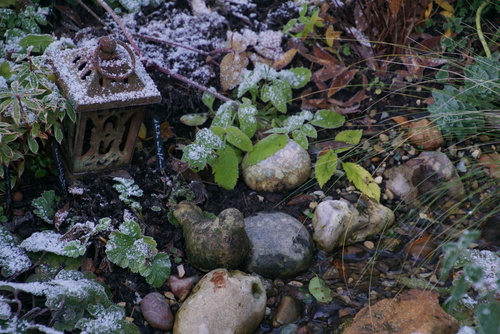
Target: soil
(351,273)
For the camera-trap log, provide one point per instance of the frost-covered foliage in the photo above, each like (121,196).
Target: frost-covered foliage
(128,248)
(45,204)
(13,259)
(128,188)
(74,301)
(135,5)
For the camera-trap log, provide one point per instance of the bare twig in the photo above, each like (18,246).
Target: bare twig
(92,13)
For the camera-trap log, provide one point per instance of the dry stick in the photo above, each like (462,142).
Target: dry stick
(161,69)
(92,13)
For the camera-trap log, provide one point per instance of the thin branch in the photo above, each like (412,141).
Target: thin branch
(92,13)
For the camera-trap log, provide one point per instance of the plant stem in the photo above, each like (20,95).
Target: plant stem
(480,31)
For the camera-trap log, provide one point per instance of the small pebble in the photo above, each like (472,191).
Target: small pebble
(369,244)
(156,311)
(484,138)
(378,179)
(384,138)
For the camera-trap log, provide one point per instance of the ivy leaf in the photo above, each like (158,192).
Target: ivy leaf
(159,270)
(265,148)
(362,179)
(319,290)
(238,138)
(325,167)
(350,137)
(328,119)
(225,168)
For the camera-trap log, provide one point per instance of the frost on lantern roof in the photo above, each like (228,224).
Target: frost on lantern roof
(102,84)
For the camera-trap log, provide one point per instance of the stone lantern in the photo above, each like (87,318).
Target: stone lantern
(109,91)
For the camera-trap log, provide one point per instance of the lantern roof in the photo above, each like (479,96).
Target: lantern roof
(101,74)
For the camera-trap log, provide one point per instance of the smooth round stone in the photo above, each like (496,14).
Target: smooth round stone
(280,246)
(286,169)
(156,311)
(223,302)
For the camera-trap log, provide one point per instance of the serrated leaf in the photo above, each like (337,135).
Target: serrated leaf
(50,241)
(299,78)
(266,147)
(350,137)
(319,290)
(225,168)
(160,270)
(44,205)
(279,93)
(309,130)
(106,321)
(362,180)
(301,139)
(325,167)
(246,118)
(327,119)
(13,259)
(239,139)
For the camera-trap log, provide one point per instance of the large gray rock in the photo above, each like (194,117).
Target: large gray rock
(286,169)
(223,303)
(338,222)
(280,246)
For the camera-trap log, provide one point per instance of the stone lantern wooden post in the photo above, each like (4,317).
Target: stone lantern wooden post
(109,91)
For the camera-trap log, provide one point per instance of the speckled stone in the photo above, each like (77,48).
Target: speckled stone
(280,246)
(287,169)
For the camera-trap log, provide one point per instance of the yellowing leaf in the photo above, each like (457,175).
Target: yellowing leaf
(319,290)
(284,59)
(428,11)
(445,5)
(331,35)
(142,132)
(447,14)
(362,180)
(230,69)
(325,167)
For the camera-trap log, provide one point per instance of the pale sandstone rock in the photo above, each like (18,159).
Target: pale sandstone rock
(286,169)
(223,303)
(414,311)
(338,222)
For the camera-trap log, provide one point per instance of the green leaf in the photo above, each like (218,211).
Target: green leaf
(301,77)
(208,100)
(160,270)
(44,205)
(128,248)
(33,145)
(362,179)
(38,41)
(106,321)
(319,290)
(279,93)
(225,168)
(309,131)
(327,119)
(238,138)
(194,119)
(301,139)
(13,259)
(488,315)
(350,137)
(325,167)
(58,134)
(50,241)
(246,117)
(266,148)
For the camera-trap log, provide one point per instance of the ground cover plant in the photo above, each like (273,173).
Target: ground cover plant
(364,87)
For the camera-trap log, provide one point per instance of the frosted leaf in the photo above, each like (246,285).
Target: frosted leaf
(208,139)
(13,259)
(50,241)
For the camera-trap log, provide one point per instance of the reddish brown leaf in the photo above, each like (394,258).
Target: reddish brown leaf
(300,199)
(61,215)
(394,6)
(341,268)
(421,248)
(230,69)
(341,81)
(491,162)
(329,72)
(284,59)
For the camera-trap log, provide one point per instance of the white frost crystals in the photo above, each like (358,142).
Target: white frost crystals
(13,259)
